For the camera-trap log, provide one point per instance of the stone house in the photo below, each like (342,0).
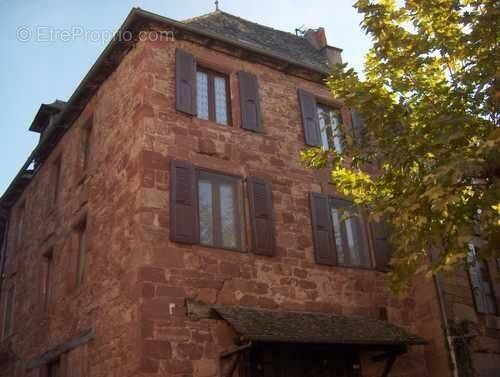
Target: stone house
(164,226)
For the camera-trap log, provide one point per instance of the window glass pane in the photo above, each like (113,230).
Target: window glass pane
(206,212)
(331,132)
(202,94)
(336,130)
(338,236)
(349,235)
(352,241)
(323,127)
(227,210)
(220,100)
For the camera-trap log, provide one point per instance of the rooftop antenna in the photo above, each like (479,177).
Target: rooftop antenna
(300,31)
(216,5)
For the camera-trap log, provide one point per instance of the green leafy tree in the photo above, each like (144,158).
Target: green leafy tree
(429,99)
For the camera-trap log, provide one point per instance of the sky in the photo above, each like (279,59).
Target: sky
(47,47)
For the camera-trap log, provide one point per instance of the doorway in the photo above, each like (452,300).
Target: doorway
(300,360)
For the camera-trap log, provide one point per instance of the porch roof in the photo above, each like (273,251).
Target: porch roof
(298,327)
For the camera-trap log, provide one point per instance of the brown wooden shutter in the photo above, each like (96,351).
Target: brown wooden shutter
(495,282)
(381,245)
(477,288)
(249,101)
(310,121)
(324,245)
(261,214)
(358,128)
(185,80)
(184,225)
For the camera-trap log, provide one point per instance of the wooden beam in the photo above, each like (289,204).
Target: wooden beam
(60,349)
(236,350)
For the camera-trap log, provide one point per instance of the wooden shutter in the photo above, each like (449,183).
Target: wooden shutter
(381,245)
(324,245)
(249,101)
(477,287)
(261,214)
(310,121)
(495,282)
(358,128)
(185,80)
(184,226)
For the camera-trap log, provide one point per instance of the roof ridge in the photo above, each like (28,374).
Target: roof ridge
(202,16)
(245,20)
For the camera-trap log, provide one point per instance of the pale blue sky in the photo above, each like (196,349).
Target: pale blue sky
(34,72)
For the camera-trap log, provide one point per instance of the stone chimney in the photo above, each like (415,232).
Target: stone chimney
(317,38)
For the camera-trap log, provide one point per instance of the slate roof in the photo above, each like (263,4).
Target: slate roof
(295,327)
(289,45)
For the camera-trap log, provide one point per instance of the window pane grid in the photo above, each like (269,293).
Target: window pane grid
(227,215)
(349,235)
(202,95)
(212,96)
(205,199)
(220,100)
(338,236)
(219,211)
(330,126)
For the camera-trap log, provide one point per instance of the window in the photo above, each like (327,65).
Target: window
(482,289)
(47,277)
(86,139)
(219,205)
(8,322)
(331,132)
(212,96)
(82,252)
(20,224)
(56,178)
(207,208)
(349,234)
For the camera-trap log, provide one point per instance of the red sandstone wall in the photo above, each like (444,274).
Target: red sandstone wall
(137,281)
(107,299)
(484,329)
(174,345)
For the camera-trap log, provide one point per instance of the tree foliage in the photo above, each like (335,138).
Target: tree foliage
(429,100)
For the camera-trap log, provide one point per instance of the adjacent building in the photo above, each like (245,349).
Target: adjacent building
(164,225)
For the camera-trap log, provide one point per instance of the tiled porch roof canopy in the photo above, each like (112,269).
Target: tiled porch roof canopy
(294,327)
